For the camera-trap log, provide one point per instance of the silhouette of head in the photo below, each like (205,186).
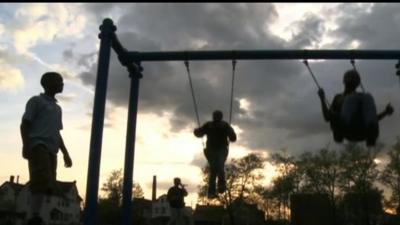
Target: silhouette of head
(52,82)
(351,79)
(217,115)
(177,181)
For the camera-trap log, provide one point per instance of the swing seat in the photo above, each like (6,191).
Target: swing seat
(358,120)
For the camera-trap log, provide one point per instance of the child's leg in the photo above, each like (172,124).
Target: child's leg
(223,154)
(212,161)
(337,130)
(211,182)
(40,181)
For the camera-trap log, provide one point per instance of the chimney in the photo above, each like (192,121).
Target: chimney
(154,195)
(11,179)
(17,179)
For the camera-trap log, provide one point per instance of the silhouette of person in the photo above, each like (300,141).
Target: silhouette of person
(218,132)
(41,139)
(353,115)
(175,197)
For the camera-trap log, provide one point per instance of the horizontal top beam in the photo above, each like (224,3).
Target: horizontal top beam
(263,55)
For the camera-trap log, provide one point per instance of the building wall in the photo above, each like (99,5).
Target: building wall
(311,209)
(69,207)
(160,207)
(7,193)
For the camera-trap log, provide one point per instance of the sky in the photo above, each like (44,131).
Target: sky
(275,102)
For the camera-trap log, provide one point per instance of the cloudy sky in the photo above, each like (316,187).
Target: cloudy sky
(275,105)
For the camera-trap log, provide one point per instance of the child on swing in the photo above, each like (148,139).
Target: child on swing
(218,133)
(352,114)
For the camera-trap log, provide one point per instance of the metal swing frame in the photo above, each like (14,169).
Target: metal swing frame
(131,60)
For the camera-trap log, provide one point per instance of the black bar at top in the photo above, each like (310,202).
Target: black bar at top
(263,55)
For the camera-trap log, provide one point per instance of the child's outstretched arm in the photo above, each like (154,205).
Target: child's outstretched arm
(387,112)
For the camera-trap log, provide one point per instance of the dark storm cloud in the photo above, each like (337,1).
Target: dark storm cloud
(68,54)
(375,28)
(86,60)
(306,32)
(284,108)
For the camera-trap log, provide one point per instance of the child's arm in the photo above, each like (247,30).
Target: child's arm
(24,128)
(325,110)
(31,109)
(232,135)
(185,193)
(387,112)
(201,131)
(67,158)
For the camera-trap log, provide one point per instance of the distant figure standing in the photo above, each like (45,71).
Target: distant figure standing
(218,133)
(175,197)
(353,115)
(41,139)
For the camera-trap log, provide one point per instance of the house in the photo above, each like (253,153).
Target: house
(9,192)
(62,208)
(242,212)
(141,211)
(357,208)
(209,215)
(160,207)
(246,214)
(311,209)
(161,211)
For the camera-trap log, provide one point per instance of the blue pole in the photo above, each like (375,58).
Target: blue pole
(130,149)
(107,29)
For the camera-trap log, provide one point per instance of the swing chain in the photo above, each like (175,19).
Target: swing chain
(232,87)
(312,74)
(315,80)
(192,91)
(398,70)
(186,62)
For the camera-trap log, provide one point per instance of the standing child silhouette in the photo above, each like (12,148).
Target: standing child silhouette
(41,139)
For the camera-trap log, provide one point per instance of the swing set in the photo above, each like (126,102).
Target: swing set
(132,59)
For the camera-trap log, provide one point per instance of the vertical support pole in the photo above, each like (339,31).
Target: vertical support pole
(107,29)
(130,148)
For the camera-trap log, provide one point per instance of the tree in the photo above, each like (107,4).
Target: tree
(243,176)
(110,205)
(137,191)
(286,183)
(358,174)
(320,174)
(390,176)
(358,168)
(113,187)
